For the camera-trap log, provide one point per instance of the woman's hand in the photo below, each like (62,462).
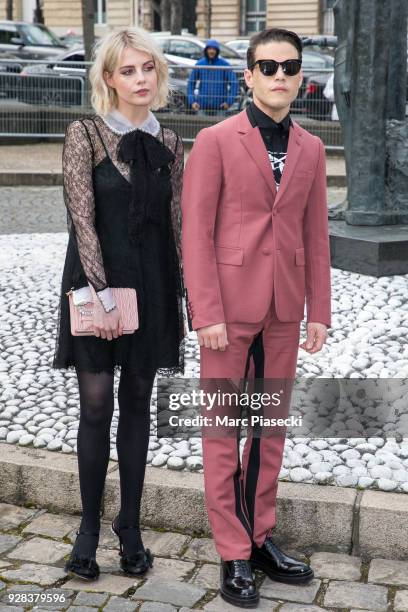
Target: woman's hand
(107,325)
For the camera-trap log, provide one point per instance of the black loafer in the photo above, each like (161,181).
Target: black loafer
(237,584)
(279,566)
(80,566)
(137,563)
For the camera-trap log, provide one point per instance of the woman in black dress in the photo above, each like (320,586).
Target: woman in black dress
(122,183)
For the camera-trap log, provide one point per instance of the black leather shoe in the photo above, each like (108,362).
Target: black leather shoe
(136,564)
(80,566)
(237,584)
(278,566)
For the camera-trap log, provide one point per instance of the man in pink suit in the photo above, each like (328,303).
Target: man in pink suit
(255,249)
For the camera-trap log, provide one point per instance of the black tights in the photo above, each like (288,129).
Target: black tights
(93,448)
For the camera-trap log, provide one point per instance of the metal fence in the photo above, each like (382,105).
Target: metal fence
(38,99)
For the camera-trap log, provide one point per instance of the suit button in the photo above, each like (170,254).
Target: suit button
(266,251)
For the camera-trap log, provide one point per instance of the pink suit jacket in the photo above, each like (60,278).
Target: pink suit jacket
(242,241)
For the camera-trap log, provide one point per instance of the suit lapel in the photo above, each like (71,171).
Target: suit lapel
(252,141)
(292,157)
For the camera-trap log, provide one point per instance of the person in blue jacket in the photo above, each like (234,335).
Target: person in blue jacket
(209,89)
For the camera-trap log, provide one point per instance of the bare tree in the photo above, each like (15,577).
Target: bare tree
(165,15)
(88,20)
(176,16)
(88,32)
(9,10)
(38,16)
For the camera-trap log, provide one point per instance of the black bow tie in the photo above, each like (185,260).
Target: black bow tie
(145,153)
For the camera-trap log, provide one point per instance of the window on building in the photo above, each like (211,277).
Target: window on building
(100,11)
(255,16)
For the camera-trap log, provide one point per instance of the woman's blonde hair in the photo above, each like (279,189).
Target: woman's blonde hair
(106,57)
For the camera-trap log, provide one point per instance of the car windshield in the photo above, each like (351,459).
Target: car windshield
(228,53)
(36,35)
(311,61)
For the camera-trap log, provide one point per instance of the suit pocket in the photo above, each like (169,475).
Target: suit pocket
(300,257)
(232,256)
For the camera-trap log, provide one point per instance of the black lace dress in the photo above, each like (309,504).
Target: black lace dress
(99,188)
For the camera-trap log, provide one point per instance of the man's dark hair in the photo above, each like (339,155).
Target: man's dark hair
(269,35)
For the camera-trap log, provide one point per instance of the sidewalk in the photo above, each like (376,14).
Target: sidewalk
(35,543)
(40,164)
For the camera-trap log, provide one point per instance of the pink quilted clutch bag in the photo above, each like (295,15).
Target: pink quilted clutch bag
(81,317)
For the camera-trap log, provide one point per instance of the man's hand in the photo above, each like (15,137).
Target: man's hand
(213,336)
(224,105)
(195,106)
(316,336)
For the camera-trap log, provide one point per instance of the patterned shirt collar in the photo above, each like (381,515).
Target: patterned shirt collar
(258,118)
(119,124)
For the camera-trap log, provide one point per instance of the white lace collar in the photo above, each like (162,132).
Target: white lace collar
(119,124)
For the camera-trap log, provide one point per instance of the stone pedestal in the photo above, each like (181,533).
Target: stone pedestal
(374,250)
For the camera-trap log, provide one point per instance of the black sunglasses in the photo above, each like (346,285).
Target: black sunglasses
(269,67)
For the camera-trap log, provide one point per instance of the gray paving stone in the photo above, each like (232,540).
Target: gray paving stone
(40,550)
(52,525)
(202,549)
(106,537)
(45,575)
(8,541)
(12,516)
(106,583)
(342,594)
(80,609)
(2,585)
(155,606)
(108,559)
(401,601)
(335,565)
(169,591)
(290,592)
(11,609)
(166,544)
(90,599)
(208,576)
(388,571)
(294,607)
(119,604)
(219,605)
(170,568)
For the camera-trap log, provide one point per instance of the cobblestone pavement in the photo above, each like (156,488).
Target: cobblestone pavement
(185,576)
(25,210)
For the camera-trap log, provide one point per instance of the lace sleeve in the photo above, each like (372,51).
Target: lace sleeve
(77,162)
(177,185)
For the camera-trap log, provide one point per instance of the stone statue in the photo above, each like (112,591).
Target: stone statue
(370,82)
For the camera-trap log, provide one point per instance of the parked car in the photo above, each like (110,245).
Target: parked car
(240,45)
(192,47)
(29,40)
(62,82)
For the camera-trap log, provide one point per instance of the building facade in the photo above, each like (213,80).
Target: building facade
(227,19)
(222,19)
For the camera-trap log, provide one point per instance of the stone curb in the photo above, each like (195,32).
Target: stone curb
(50,179)
(310,517)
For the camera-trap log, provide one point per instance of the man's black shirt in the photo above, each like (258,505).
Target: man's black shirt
(275,137)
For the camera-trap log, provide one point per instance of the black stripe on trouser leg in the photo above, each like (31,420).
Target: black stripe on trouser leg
(238,482)
(254,459)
